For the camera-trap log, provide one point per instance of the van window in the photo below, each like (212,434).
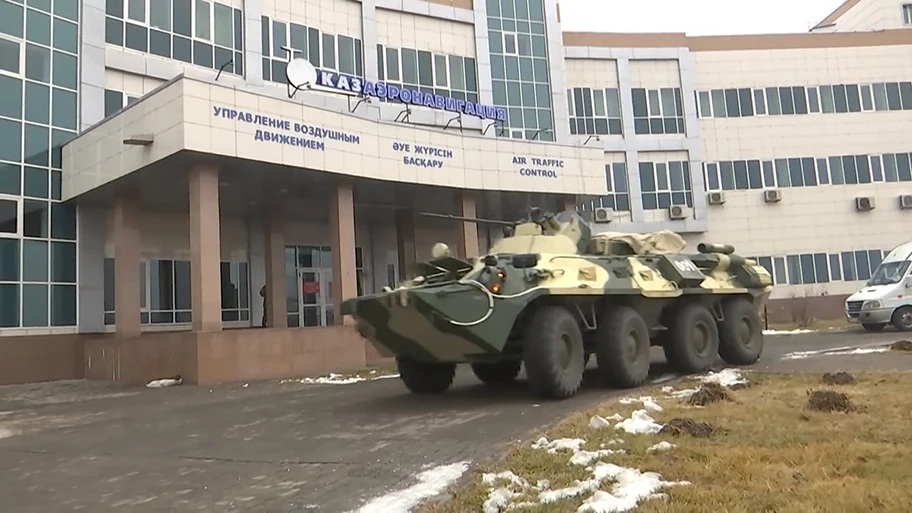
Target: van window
(888,273)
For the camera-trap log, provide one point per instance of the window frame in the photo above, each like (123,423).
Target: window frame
(20,74)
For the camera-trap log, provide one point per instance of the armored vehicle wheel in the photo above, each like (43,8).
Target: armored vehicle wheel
(553,353)
(498,373)
(902,318)
(692,342)
(740,333)
(623,348)
(874,328)
(425,378)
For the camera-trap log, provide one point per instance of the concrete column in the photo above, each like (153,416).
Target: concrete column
(205,249)
(467,231)
(405,242)
(276,315)
(127,249)
(91,268)
(342,229)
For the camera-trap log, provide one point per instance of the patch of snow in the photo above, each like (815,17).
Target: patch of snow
(430,483)
(631,486)
(6,433)
(836,351)
(509,477)
(165,382)
(679,394)
(648,402)
(583,458)
(611,442)
(337,379)
(561,444)
(639,423)
(597,422)
(660,447)
(725,377)
(787,332)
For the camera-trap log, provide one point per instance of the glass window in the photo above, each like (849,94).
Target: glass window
(160,15)
(410,66)
(63,262)
(183,18)
(37,145)
(36,182)
(329,51)
(11,19)
(9,299)
(773,105)
(64,108)
(66,36)
(34,260)
(813,100)
(224,25)
(203,26)
(35,218)
(457,72)
(880,96)
(63,221)
(828,102)
(37,63)
(38,27)
(835,267)
(392,64)
(10,140)
(65,70)
(425,68)
(63,305)
(37,103)
(34,305)
(10,88)
(346,55)
(9,56)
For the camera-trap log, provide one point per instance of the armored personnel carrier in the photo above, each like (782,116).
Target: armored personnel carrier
(551,294)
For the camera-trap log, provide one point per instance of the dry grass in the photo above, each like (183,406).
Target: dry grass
(773,453)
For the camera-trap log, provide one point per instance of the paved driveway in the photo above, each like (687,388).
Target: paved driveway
(270,447)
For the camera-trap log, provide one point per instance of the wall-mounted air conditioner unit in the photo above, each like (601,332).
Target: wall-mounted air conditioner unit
(864,203)
(603,215)
(677,212)
(905,201)
(716,198)
(772,195)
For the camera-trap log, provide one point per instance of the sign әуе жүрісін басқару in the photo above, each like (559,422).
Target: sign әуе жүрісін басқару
(377,89)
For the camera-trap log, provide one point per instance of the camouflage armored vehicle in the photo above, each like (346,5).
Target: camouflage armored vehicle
(551,294)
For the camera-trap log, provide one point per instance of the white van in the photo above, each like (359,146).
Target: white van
(887,297)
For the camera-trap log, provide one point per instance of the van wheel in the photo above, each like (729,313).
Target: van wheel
(553,353)
(623,348)
(740,333)
(692,342)
(902,318)
(874,328)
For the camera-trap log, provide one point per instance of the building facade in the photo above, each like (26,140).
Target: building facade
(162,183)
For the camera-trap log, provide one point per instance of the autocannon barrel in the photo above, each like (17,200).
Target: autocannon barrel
(725,249)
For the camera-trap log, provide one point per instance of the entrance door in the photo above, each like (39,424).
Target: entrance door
(315,293)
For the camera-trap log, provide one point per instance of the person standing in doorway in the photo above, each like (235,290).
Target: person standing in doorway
(263,295)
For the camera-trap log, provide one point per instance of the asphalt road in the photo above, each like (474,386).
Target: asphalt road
(270,447)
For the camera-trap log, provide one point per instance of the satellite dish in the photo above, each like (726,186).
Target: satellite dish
(300,73)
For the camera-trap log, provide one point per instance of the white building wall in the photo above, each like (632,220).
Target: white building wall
(871,15)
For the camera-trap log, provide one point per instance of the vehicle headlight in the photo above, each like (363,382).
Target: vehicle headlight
(870,305)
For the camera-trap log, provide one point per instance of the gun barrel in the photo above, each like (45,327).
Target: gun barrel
(471,219)
(725,249)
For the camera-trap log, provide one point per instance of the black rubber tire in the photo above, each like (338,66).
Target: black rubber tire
(623,347)
(740,332)
(553,353)
(680,350)
(902,318)
(425,378)
(874,328)
(497,373)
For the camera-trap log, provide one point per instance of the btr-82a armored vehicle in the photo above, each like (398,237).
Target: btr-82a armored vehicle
(551,294)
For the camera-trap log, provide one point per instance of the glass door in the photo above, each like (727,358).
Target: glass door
(315,293)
